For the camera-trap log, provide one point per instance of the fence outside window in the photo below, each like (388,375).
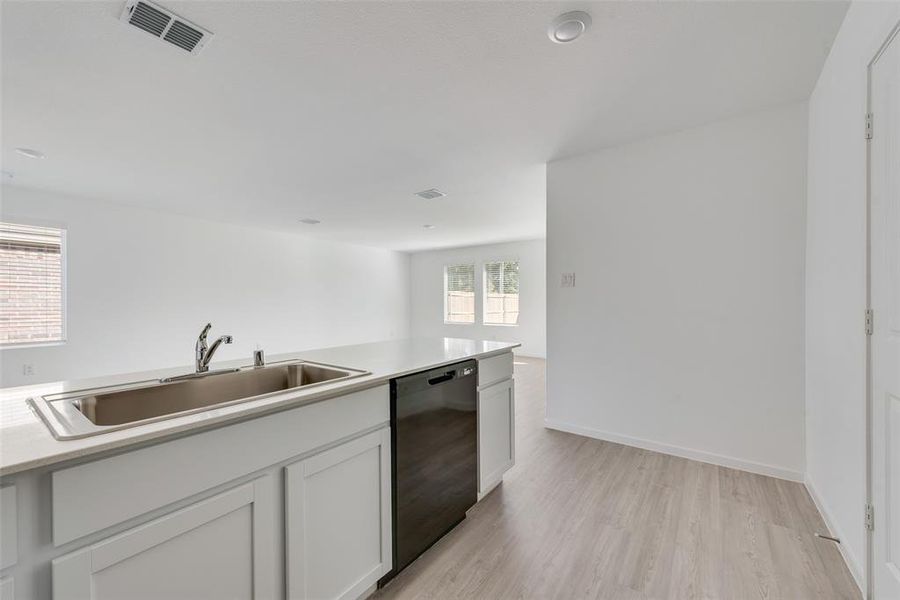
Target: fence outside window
(459,294)
(501,293)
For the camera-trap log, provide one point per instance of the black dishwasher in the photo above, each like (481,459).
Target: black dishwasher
(433,455)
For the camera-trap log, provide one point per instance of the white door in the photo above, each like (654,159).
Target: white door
(885,299)
(216,549)
(338,519)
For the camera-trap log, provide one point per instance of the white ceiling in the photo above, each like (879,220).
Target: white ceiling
(340,111)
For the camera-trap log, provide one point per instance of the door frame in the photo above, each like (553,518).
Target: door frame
(870,413)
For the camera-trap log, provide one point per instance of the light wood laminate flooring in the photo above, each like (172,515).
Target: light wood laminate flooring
(584,518)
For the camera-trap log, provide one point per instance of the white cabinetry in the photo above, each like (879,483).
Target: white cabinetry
(217,548)
(93,496)
(204,516)
(338,519)
(496,421)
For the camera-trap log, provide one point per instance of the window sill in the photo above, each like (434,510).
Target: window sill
(20,345)
(458,323)
(500,324)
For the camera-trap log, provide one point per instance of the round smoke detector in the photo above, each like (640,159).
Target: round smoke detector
(569,26)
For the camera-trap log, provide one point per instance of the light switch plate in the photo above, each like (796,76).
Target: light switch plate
(568,280)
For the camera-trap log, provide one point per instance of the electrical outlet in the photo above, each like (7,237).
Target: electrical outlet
(28,369)
(568,280)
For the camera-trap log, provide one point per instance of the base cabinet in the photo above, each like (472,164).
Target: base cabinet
(296,503)
(496,434)
(221,547)
(338,519)
(305,512)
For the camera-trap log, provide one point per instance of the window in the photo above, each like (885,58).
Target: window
(31,284)
(459,294)
(501,293)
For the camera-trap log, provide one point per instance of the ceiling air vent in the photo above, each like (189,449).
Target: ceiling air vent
(166,25)
(430,194)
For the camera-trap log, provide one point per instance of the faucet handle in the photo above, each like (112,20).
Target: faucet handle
(203,333)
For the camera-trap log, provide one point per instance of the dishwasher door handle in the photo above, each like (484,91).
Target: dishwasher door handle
(441,378)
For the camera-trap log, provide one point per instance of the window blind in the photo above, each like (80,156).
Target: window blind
(459,292)
(31,284)
(501,293)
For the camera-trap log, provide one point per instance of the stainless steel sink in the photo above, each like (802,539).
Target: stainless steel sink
(95,411)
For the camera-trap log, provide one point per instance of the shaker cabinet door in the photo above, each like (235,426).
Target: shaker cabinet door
(218,548)
(338,519)
(496,433)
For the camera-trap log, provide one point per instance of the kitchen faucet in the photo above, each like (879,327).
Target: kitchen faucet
(204,353)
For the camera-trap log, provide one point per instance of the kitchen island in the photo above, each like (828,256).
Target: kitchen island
(287,495)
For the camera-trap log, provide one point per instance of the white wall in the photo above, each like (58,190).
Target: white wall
(142,284)
(836,278)
(427,284)
(684,332)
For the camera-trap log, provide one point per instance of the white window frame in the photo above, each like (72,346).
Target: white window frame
(64,283)
(445,291)
(484,290)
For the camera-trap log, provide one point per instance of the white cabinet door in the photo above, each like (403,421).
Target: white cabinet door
(221,547)
(496,434)
(338,519)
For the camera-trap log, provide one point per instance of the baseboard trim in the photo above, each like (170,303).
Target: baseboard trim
(846,553)
(690,453)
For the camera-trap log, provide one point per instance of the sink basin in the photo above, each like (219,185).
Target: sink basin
(96,411)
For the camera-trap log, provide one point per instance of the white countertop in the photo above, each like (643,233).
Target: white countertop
(26,442)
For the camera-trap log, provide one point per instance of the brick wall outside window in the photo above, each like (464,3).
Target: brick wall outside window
(31,284)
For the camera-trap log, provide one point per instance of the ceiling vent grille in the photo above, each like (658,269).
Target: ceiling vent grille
(430,194)
(165,25)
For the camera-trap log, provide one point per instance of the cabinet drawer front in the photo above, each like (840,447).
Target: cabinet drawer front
(494,369)
(220,547)
(96,495)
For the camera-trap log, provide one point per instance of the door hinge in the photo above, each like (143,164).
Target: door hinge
(870,322)
(870,129)
(870,517)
